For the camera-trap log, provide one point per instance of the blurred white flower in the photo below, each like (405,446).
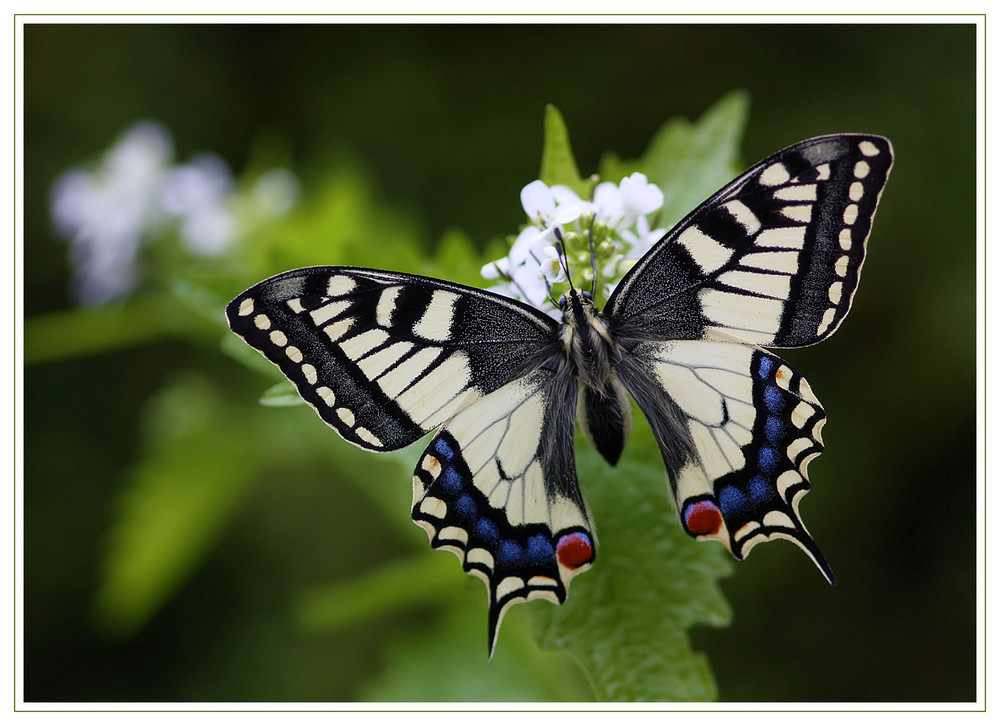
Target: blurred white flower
(203,181)
(135,193)
(195,194)
(276,191)
(105,211)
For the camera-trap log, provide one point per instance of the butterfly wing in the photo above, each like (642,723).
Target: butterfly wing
(497,486)
(772,259)
(384,357)
(737,427)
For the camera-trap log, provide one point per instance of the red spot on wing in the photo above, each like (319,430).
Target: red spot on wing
(575,550)
(701,518)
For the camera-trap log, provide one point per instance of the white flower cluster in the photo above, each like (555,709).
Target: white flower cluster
(135,193)
(604,235)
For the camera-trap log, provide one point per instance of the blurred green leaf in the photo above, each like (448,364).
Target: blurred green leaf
(181,494)
(92,331)
(282,393)
(558,164)
(456,258)
(445,661)
(205,290)
(341,222)
(689,161)
(397,585)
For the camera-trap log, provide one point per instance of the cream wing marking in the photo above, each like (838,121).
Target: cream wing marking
(382,357)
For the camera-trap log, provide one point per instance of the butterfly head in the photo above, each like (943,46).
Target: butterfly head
(583,324)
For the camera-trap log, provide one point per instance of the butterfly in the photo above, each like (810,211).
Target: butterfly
(771,260)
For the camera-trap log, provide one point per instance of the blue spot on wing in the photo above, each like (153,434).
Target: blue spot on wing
(773,399)
(452,482)
(540,550)
(774,429)
(466,509)
(760,489)
(765,366)
(767,459)
(443,449)
(733,503)
(487,531)
(509,554)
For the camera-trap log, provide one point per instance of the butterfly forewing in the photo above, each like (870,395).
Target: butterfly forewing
(773,258)
(383,357)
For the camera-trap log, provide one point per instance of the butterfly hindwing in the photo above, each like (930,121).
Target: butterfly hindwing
(385,357)
(497,486)
(750,424)
(773,258)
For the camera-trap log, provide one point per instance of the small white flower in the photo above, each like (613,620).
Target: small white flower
(529,243)
(608,202)
(537,202)
(549,207)
(529,284)
(640,241)
(495,269)
(551,265)
(606,232)
(639,197)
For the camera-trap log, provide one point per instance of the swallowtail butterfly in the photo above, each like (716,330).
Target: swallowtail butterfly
(771,260)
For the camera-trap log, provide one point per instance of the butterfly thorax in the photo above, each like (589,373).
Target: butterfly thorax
(603,406)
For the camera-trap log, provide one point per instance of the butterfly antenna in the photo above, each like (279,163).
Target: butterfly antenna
(561,252)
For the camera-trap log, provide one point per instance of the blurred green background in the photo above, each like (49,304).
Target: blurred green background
(444,125)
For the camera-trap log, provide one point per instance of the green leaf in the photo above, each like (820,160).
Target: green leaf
(558,164)
(689,162)
(626,619)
